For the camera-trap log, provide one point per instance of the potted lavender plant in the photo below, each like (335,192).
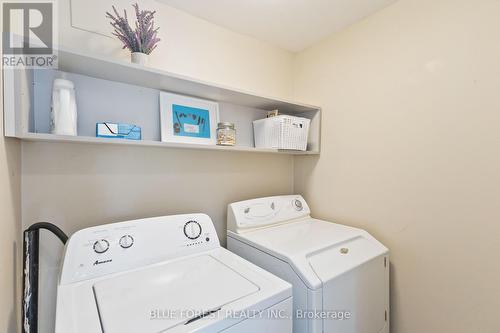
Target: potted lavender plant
(141,41)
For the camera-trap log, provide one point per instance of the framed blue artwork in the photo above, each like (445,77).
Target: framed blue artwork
(187,119)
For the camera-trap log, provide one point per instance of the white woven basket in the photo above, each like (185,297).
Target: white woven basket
(282,132)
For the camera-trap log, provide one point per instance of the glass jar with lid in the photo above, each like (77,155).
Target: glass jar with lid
(226,134)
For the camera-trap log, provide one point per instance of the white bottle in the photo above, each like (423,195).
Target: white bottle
(63,117)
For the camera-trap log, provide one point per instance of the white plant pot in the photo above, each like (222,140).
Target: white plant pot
(139,58)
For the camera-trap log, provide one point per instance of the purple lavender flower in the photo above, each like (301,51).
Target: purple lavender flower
(145,36)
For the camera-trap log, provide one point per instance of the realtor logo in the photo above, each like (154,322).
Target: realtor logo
(28,34)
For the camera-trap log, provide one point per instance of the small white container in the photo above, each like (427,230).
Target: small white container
(63,117)
(282,132)
(139,58)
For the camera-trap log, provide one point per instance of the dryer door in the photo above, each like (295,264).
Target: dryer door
(355,286)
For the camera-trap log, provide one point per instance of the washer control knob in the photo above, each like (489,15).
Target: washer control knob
(298,204)
(192,230)
(126,241)
(101,246)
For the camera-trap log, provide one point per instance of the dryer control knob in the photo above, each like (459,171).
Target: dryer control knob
(126,241)
(192,230)
(101,246)
(298,204)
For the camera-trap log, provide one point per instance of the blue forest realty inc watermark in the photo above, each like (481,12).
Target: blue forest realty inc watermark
(29,34)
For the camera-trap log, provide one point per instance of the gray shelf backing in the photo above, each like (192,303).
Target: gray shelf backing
(101,100)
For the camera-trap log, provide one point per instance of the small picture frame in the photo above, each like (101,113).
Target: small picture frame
(187,119)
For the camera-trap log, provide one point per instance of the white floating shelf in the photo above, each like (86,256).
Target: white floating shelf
(118,91)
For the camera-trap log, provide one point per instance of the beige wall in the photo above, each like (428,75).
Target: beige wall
(190,46)
(411,142)
(10,229)
(10,234)
(78,186)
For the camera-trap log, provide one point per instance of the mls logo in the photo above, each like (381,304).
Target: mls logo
(28,34)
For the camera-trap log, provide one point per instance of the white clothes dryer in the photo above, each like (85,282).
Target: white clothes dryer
(340,275)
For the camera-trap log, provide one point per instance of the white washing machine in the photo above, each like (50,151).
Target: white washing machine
(340,275)
(165,274)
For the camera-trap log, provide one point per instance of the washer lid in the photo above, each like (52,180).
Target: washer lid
(162,297)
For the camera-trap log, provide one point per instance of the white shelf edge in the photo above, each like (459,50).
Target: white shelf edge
(43,137)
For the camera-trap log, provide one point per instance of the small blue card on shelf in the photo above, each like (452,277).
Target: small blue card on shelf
(118,131)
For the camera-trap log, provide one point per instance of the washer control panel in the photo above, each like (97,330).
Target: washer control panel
(116,247)
(257,213)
